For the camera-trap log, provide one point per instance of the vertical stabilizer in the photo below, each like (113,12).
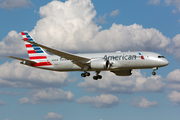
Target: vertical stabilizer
(34,52)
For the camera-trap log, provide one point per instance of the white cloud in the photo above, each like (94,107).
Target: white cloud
(102,101)
(48,96)
(2,103)
(101,19)
(65,25)
(168,2)
(118,84)
(174,86)
(173,79)
(17,75)
(176,46)
(154,2)
(8,4)
(174,97)
(174,76)
(142,102)
(9,93)
(115,12)
(176,41)
(53,116)
(176,11)
(12,45)
(133,37)
(173,2)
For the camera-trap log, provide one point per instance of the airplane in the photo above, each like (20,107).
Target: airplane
(119,63)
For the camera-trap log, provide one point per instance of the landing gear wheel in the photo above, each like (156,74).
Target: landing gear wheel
(87,74)
(95,77)
(154,69)
(153,73)
(83,75)
(99,77)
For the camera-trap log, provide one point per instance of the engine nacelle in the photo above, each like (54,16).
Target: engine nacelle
(100,64)
(122,72)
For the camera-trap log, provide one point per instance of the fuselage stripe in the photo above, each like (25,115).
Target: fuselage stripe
(40,64)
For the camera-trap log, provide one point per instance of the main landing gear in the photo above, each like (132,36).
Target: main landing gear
(85,74)
(154,69)
(96,77)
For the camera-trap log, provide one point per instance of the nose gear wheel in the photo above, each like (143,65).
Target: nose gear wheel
(154,69)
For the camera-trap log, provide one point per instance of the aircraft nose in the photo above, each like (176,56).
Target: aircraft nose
(166,62)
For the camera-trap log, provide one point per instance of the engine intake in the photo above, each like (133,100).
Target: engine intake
(100,64)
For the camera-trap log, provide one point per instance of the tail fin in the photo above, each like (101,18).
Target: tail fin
(34,52)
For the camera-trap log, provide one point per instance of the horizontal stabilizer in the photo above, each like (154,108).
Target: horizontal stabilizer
(22,59)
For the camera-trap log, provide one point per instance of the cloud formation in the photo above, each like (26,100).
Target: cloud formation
(173,79)
(174,97)
(9,93)
(53,116)
(70,26)
(173,2)
(2,103)
(115,13)
(176,46)
(142,102)
(174,76)
(167,2)
(131,84)
(154,2)
(47,96)
(12,45)
(101,19)
(102,101)
(8,4)
(16,75)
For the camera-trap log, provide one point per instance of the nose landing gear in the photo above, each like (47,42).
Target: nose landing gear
(154,69)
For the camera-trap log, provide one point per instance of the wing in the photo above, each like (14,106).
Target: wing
(78,60)
(22,59)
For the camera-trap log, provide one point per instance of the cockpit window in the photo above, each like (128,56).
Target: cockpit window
(161,57)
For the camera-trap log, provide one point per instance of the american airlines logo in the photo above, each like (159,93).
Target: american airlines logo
(121,57)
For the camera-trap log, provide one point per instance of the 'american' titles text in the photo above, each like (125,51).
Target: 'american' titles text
(121,57)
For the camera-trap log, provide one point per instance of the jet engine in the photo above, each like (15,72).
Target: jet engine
(122,72)
(100,64)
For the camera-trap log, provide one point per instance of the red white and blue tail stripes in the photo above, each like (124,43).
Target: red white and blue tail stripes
(35,53)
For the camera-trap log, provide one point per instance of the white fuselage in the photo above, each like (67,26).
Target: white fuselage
(118,60)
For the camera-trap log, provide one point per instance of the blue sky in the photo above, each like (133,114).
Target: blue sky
(80,26)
